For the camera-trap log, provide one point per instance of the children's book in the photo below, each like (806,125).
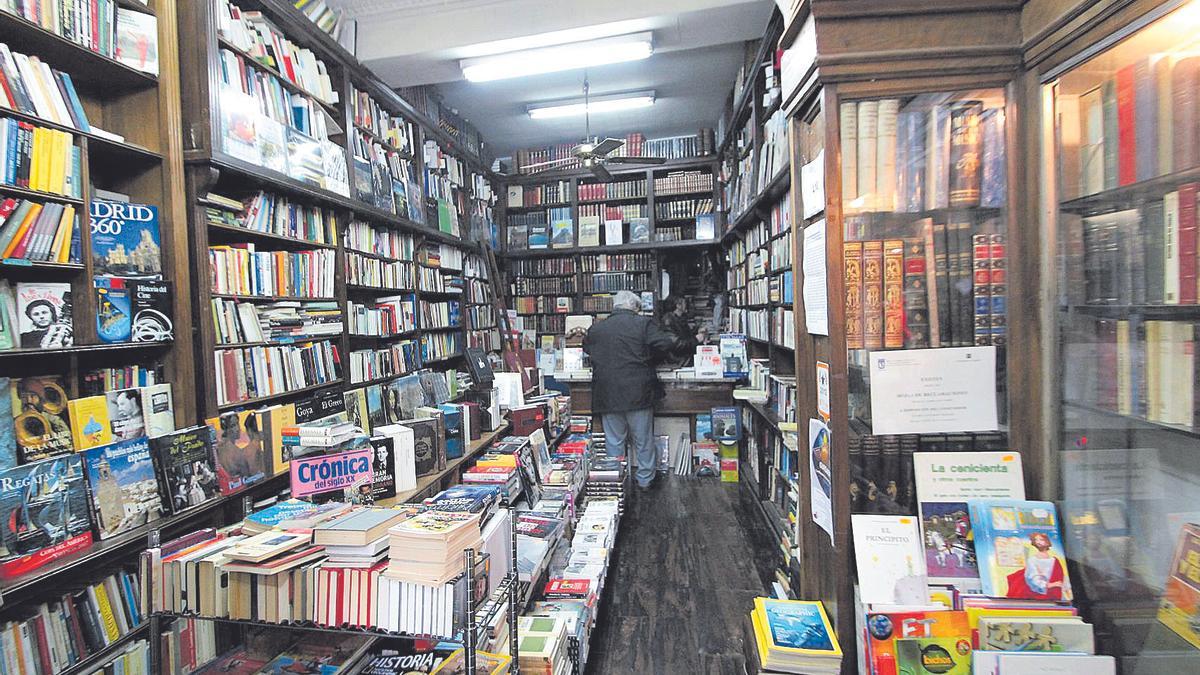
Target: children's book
(885,629)
(933,656)
(1020,549)
(1180,607)
(891,561)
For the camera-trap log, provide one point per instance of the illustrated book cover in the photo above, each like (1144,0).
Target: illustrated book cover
(126,241)
(186,468)
(40,413)
(238,445)
(124,488)
(44,509)
(1020,549)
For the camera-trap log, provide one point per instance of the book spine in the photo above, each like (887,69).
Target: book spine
(1183,113)
(853,264)
(1171,264)
(994,182)
(868,147)
(1092,157)
(1106,350)
(1153,371)
(893,294)
(885,155)
(1187,243)
(1124,369)
(915,161)
(1150,226)
(966,147)
(998,289)
(982,275)
(1108,94)
(1146,118)
(1126,126)
(873,294)
(963,286)
(916,295)
(848,131)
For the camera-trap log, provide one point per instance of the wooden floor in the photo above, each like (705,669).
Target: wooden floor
(691,556)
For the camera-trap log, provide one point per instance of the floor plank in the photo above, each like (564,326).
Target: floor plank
(691,556)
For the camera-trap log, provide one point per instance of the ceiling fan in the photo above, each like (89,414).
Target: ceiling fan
(593,153)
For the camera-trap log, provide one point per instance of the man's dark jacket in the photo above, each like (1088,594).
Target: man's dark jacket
(624,348)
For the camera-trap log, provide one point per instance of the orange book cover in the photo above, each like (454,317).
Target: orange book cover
(853,264)
(893,293)
(873,294)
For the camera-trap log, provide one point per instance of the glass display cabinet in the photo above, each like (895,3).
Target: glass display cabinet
(1121,172)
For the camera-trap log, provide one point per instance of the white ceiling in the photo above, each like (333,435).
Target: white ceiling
(697,44)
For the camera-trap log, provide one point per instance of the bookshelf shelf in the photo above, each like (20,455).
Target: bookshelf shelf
(134,4)
(17,265)
(270,298)
(90,70)
(361,288)
(38,195)
(231,231)
(542,207)
(1137,423)
(377,380)
(436,329)
(624,248)
(99,147)
(233,405)
(260,175)
(88,348)
(691,194)
(1129,196)
(444,359)
(383,142)
(704,161)
(774,189)
(283,81)
(1115,311)
(382,338)
(105,551)
(613,200)
(375,256)
(276,343)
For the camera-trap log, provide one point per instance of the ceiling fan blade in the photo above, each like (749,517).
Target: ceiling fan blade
(602,173)
(637,160)
(565,160)
(607,145)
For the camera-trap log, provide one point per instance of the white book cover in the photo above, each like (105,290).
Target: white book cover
(1171,248)
(891,560)
(708,362)
(404,460)
(945,481)
(1009,663)
(848,125)
(613,232)
(868,147)
(885,155)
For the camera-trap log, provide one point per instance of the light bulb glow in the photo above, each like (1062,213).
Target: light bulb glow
(575,108)
(558,58)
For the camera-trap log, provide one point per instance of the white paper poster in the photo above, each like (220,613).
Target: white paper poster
(812,186)
(933,391)
(820,453)
(816,294)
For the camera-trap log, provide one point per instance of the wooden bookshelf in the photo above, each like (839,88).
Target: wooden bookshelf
(211,168)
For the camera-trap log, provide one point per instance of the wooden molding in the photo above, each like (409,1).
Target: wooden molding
(856,9)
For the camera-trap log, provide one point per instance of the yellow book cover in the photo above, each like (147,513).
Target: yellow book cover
(760,636)
(272,422)
(106,612)
(798,627)
(23,229)
(60,231)
(58,160)
(89,422)
(497,460)
(37,160)
(68,228)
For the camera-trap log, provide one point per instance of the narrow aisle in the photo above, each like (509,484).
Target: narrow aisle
(692,555)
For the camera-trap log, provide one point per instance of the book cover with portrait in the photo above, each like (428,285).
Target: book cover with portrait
(239,449)
(44,315)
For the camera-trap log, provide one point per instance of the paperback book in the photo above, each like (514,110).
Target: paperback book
(45,315)
(124,488)
(891,561)
(40,417)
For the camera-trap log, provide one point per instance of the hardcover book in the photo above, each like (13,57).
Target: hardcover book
(639,230)
(562,234)
(1036,634)
(725,424)
(934,656)
(89,422)
(125,239)
(427,450)
(8,443)
(158,408)
(1020,549)
(41,426)
(187,468)
(124,488)
(114,310)
(125,415)
(44,508)
(589,230)
(238,445)
(890,559)
(383,467)
(539,235)
(45,315)
(151,306)
(137,40)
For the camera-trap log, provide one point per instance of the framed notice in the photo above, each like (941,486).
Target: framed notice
(933,391)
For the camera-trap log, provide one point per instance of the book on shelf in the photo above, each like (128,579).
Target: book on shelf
(1019,548)
(186,468)
(137,40)
(34,88)
(39,231)
(55,524)
(238,446)
(123,486)
(40,417)
(44,315)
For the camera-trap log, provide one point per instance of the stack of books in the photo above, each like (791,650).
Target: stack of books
(795,636)
(428,548)
(358,538)
(292,514)
(542,646)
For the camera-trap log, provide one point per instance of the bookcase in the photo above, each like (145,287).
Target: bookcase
(400,202)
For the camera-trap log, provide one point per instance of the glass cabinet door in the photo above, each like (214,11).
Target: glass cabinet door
(924,196)
(1123,174)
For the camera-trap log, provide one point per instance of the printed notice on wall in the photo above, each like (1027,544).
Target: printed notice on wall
(933,391)
(820,468)
(812,186)
(816,293)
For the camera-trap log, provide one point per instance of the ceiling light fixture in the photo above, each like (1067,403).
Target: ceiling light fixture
(597,104)
(618,49)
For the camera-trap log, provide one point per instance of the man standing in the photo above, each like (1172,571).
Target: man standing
(624,348)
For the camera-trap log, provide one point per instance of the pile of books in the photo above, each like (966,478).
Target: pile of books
(429,548)
(542,645)
(795,636)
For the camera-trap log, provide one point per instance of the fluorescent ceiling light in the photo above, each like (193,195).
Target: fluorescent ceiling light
(597,104)
(558,58)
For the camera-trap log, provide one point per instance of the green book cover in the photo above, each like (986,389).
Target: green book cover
(933,656)
(445,216)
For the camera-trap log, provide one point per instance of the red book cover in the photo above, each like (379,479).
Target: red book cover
(1187,243)
(1126,129)
(187,645)
(566,589)
(43,648)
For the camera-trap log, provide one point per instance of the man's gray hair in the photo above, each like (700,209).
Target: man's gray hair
(627,300)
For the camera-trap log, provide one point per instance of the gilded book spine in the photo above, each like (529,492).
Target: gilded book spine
(873,294)
(966,148)
(853,263)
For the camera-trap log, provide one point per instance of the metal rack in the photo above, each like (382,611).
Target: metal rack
(470,621)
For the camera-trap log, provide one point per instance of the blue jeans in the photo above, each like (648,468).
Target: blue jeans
(636,427)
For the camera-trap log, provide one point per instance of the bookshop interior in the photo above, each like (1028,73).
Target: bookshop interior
(584,338)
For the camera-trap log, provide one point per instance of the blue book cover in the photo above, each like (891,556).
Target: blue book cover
(796,627)
(465,498)
(704,427)
(44,507)
(124,487)
(1019,549)
(8,441)
(125,239)
(113,310)
(277,514)
(452,417)
(994,181)
(726,424)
